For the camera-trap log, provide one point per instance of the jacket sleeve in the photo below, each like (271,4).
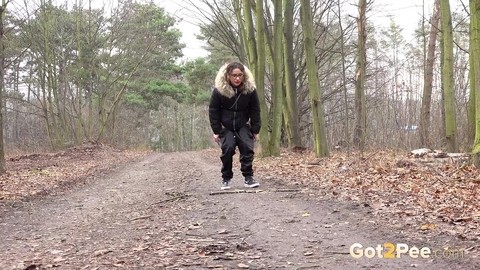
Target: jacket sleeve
(215,112)
(255,113)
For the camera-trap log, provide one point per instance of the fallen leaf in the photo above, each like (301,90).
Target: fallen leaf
(101,252)
(224,231)
(428,226)
(58,259)
(139,248)
(464,219)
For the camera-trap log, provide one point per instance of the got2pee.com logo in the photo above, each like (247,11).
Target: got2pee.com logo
(390,250)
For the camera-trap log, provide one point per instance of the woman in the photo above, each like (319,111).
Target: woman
(234,112)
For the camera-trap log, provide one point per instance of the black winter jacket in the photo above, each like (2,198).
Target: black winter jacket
(233,108)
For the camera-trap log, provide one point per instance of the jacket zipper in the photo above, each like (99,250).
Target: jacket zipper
(235,111)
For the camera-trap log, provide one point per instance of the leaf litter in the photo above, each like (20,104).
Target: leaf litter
(433,192)
(39,174)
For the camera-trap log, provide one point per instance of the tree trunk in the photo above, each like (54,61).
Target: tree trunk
(82,83)
(278,90)
(475,69)
(346,124)
(89,133)
(291,115)
(428,78)
(320,138)
(360,108)
(260,78)
(45,82)
(474,41)
(250,41)
(2,82)
(447,78)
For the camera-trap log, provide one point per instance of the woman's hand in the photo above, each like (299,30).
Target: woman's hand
(216,138)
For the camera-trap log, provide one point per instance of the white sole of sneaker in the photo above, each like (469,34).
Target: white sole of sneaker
(225,188)
(252,186)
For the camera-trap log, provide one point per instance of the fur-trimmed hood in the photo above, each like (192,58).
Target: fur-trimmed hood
(225,89)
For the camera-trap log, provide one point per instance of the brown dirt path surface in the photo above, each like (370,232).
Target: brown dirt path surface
(158,213)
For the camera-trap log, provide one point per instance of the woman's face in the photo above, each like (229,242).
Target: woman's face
(236,77)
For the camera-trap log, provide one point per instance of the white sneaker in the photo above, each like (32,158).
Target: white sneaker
(225,184)
(250,182)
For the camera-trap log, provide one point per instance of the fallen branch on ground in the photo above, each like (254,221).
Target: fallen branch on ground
(235,191)
(200,240)
(288,190)
(141,217)
(251,191)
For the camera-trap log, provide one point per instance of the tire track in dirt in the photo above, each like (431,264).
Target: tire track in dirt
(158,214)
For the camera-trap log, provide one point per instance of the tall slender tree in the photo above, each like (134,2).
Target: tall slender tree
(244,47)
(360,103)
(278,89)
(475,69)
(320,138)
(428,77)
(260,76)
(249,35)
(447,76)
(3,10)
(291,115)
(346,125)
(471,110)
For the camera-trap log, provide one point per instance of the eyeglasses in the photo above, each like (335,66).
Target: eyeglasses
(237,75)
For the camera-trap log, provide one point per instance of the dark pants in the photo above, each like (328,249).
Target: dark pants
(243,139)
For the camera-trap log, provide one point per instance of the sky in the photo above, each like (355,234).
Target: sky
(406,13)
(188,26)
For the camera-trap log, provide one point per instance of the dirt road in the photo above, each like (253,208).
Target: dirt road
(158,213)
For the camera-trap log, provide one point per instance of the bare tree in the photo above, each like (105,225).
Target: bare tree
(428,78)
(320,138)
(346,116)
(3,9)
(473,41)
(447,76)
(278,89)
(260,75)
(291,115)
(360,104)
(475,69)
